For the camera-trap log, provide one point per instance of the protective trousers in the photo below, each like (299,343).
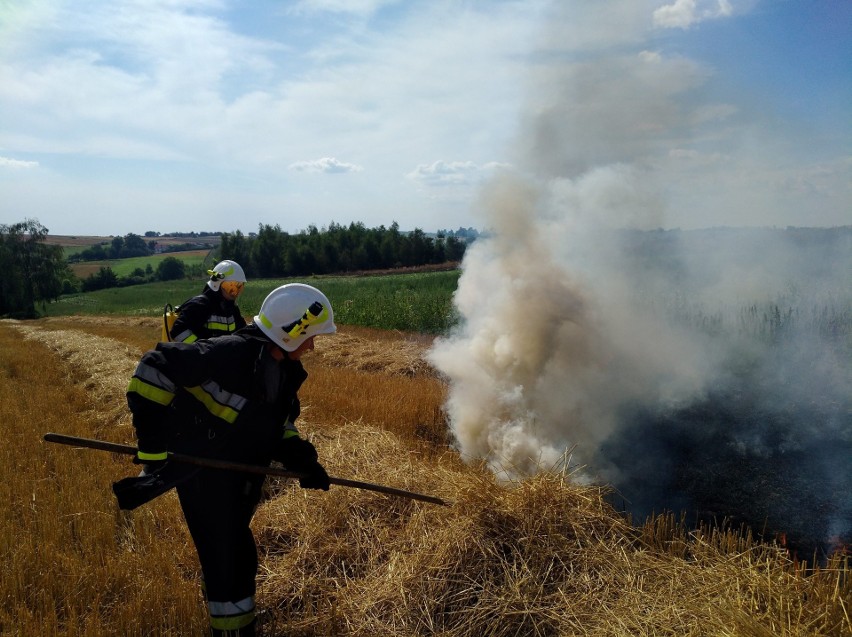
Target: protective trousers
(218,506)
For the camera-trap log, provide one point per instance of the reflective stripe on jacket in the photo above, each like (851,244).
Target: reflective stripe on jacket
(207,315)
(230,381)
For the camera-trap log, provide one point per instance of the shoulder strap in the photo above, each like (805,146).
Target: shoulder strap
(167,309)
(177,307)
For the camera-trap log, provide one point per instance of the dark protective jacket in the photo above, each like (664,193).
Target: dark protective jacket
(225,397)
(206,315)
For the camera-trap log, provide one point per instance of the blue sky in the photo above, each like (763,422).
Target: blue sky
(170,115)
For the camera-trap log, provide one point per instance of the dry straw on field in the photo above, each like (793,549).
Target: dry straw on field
(398,356)
(542,556)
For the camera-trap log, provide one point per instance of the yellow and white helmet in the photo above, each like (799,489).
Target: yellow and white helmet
(292,313)
(227,270)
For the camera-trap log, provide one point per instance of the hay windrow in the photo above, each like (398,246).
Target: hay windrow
(102,365)
(361,349)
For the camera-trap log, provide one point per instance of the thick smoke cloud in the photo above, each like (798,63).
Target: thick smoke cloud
(704,371)
(558,336)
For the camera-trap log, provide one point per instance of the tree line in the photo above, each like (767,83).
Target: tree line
(35,272)
(126,247)
(169,269)
(132,245)
(275,253)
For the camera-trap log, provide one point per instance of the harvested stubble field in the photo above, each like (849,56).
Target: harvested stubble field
(538,557)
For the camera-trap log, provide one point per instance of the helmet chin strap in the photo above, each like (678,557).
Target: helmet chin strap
(276,352)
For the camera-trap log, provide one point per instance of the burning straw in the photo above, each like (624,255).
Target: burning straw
(541,556)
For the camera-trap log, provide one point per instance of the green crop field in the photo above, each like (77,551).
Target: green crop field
(126,267)
(417,302)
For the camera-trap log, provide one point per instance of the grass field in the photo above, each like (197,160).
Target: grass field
(542,556)
(125,267)
(415,302)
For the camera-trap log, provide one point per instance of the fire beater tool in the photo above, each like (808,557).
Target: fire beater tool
(214,463)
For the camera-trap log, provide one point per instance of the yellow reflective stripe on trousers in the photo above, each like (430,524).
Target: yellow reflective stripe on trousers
(160,455)
(220,403)
(289,430)
(231,615)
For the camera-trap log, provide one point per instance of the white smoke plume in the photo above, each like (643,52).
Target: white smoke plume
(551,345)
(664,362)
(553,342)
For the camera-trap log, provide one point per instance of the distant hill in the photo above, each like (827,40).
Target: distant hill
(75,241)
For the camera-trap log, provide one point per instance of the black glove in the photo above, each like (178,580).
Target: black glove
(299,455)
(315,477)
(296,453)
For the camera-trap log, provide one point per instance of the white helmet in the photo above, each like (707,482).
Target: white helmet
(292,313)
(226,270)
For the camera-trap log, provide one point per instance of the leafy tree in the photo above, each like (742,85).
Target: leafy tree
(134,246)
(131,245)
(170,269)
(267,254)
(96,252)
(453,249)
(372,253)
(390,247)
(115,248)
(102,279)
(236,248)
(33,271)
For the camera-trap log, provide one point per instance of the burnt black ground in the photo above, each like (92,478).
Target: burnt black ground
(734,458)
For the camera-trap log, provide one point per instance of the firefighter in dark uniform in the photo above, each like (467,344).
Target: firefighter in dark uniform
(214,312)
(232,398)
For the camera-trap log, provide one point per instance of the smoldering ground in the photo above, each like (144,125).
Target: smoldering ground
(703,371)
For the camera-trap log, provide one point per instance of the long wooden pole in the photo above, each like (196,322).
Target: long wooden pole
(214,463)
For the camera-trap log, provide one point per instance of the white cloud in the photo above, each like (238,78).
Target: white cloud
(328,165)
(443,173)
(713,113)
(236,96)
(6,162)
(187,82)
(452,173)
(692,155)
(360,7)
(685,13)
(650,57)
